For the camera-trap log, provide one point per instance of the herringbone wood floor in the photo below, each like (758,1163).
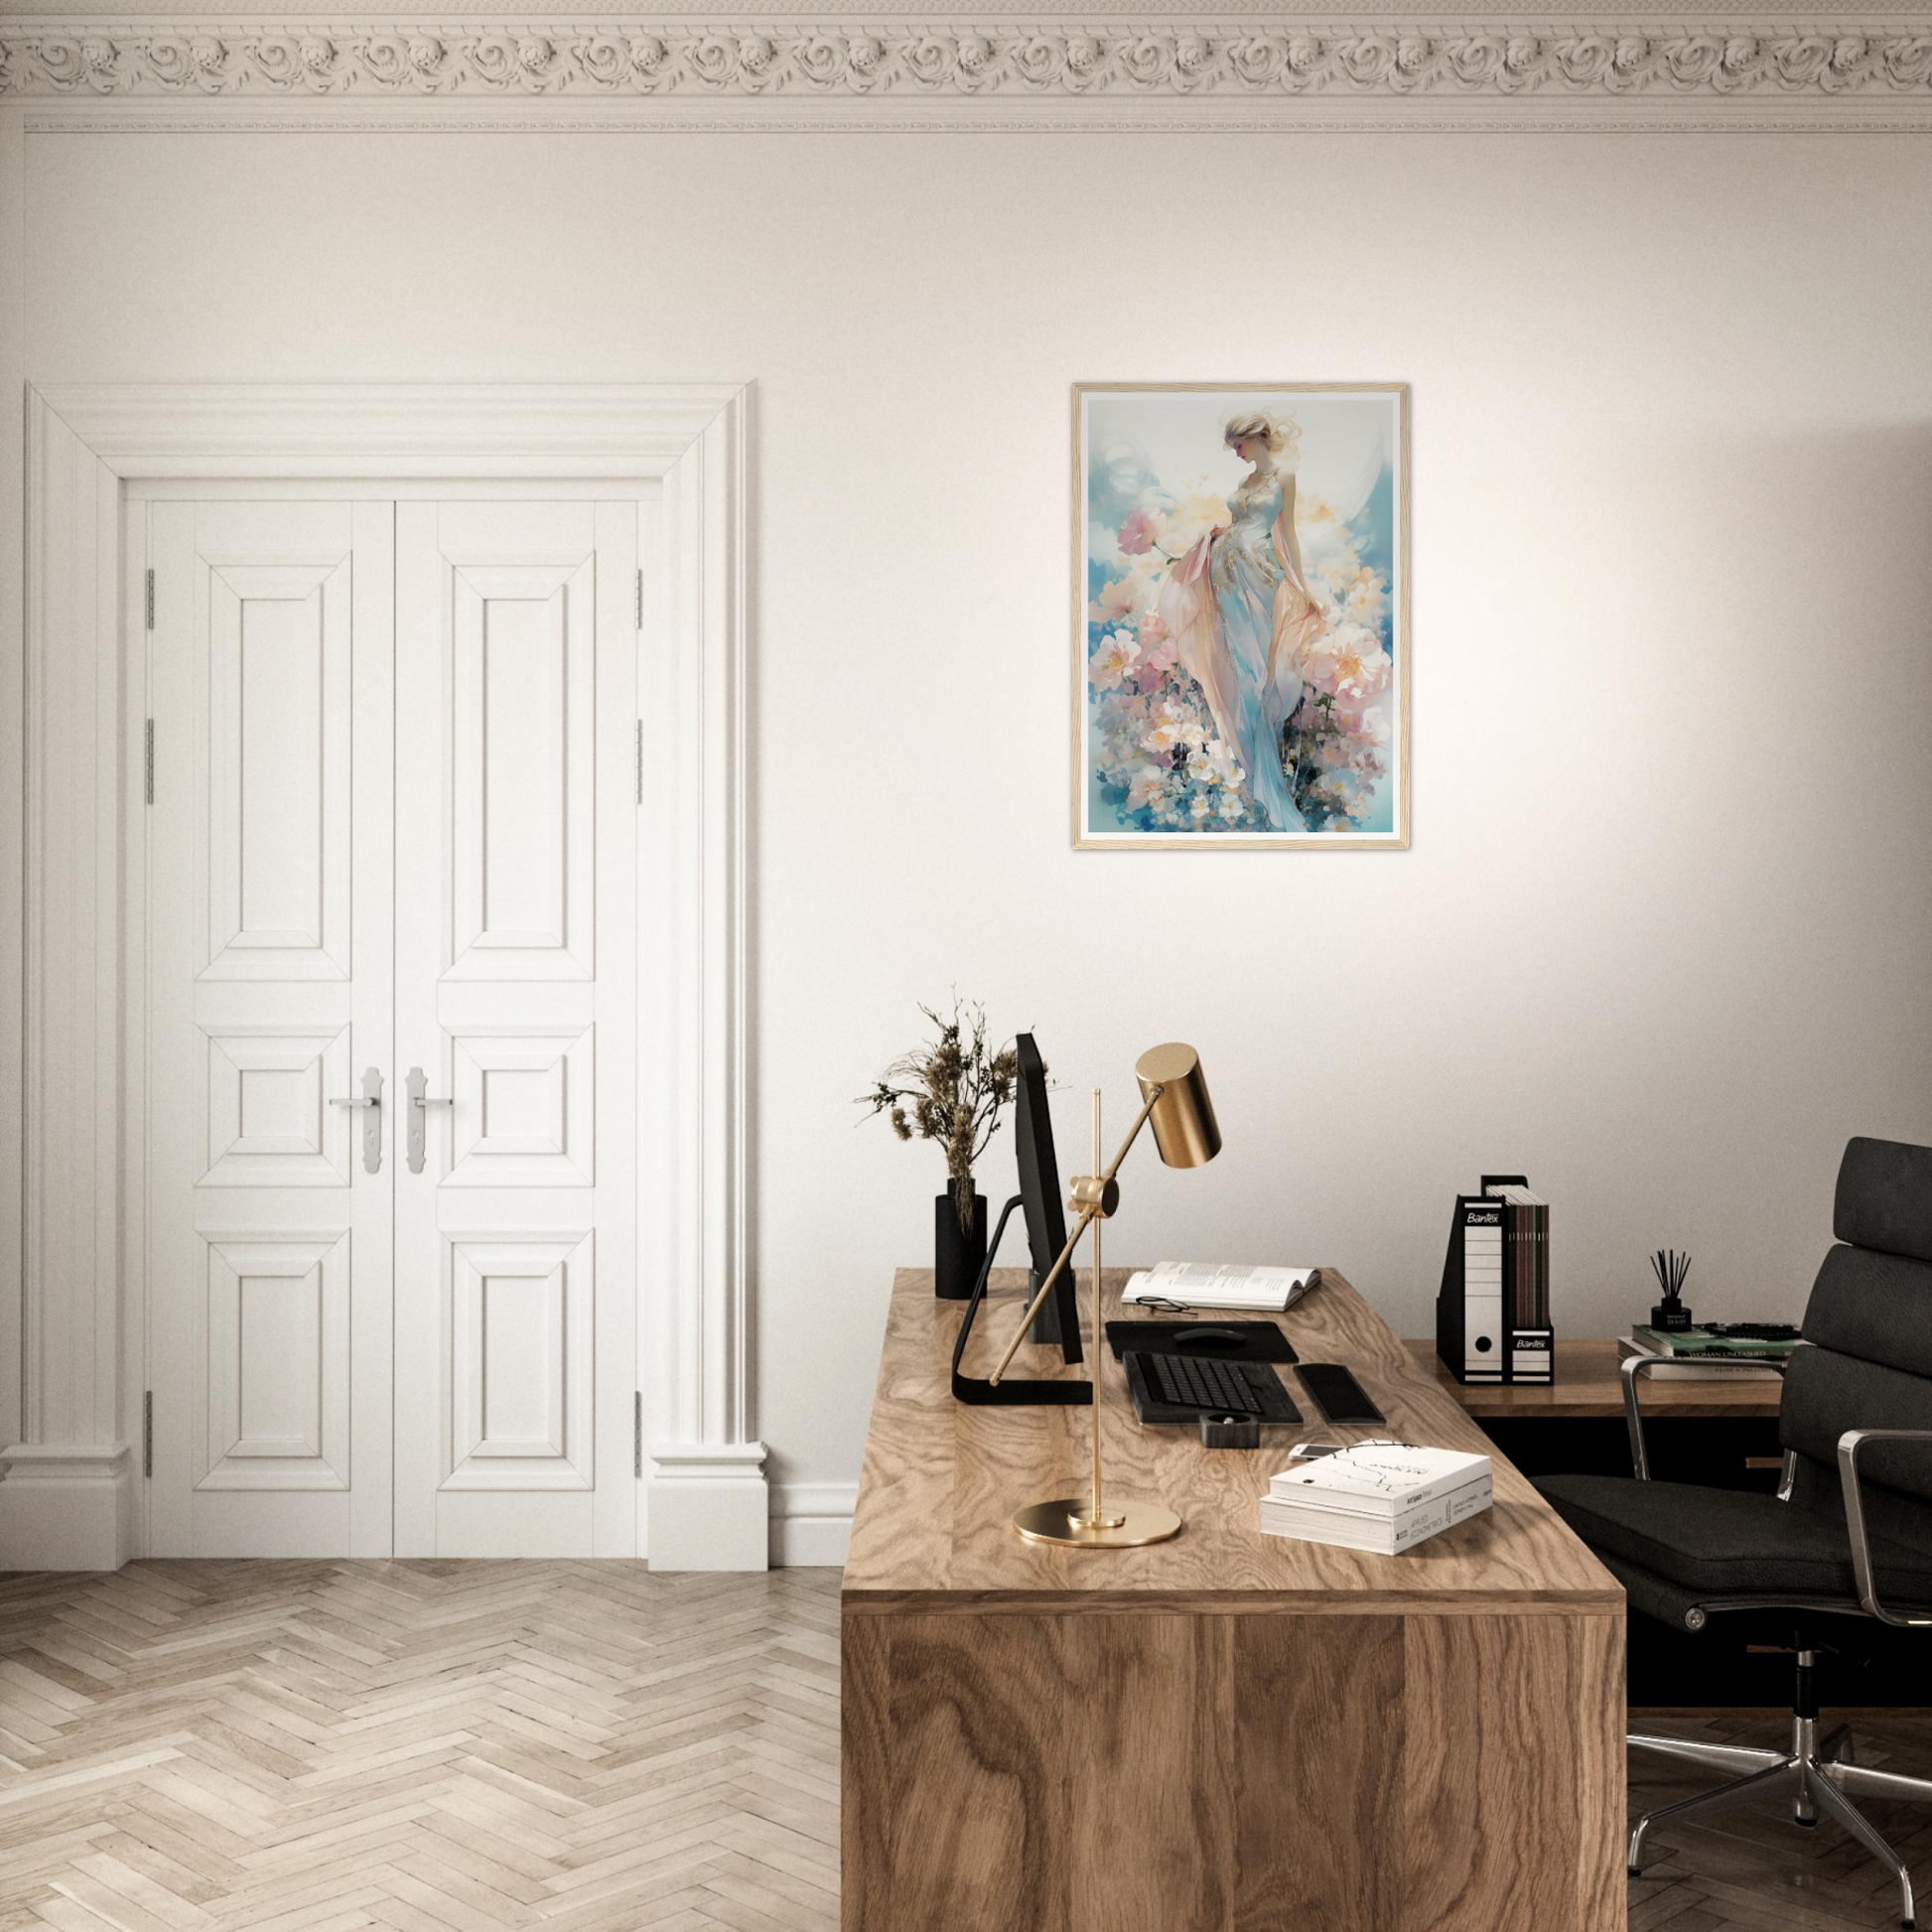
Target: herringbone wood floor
(570,1746)
(321,1746)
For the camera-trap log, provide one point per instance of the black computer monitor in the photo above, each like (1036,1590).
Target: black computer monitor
(1038,1198)
(1040,1193)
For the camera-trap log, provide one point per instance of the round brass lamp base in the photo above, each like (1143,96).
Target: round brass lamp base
(1065,1521)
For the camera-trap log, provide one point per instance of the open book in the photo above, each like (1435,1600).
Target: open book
(1209,1285)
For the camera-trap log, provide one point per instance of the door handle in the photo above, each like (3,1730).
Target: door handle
(370,1098)
(417,1081)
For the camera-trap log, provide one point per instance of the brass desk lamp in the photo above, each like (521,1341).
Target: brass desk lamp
(1174,1099)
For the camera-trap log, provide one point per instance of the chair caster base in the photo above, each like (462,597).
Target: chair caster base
(1816,1777)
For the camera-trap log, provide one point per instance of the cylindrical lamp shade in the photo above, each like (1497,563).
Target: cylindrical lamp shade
(1185,1128)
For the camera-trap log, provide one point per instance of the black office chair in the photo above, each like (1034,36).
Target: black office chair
(1848,1534)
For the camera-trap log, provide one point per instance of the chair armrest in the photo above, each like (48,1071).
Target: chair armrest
(1636,1365)
(1848,1446)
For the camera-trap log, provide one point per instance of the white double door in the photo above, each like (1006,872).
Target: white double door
(390,860)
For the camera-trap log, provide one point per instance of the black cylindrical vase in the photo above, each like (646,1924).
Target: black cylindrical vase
(957,1258)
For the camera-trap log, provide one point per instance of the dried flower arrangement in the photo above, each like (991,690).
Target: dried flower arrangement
(950,1091)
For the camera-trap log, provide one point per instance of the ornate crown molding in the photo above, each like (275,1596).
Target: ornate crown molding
(1234,64)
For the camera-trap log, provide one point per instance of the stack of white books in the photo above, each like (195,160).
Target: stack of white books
(1385,1497)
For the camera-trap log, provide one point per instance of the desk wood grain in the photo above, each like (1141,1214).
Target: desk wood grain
(1229,1732)
(941,1480)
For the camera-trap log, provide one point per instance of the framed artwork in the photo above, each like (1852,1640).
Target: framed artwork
(1241,615)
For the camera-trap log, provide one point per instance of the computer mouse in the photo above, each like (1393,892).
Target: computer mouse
(1210,1338)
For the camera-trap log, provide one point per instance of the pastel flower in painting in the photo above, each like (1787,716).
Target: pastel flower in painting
(1369,729)
(1113,659)
(1331,751)
(1217,764)
(1123,717)
(1129,594)
(1160,652)
(1191,519)
(1142,530)
(1318,667)
(1349,664)
(1363,597)
(1232,809)
(1120,718)
(1115,601)
(1361,679)
(1200,805)
(1166,728)
(1144,784)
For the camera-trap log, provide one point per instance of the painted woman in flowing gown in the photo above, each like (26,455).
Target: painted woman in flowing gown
(1241,615)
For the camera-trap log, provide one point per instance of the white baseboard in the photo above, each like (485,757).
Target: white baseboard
(710,1507)
(811,1523)
(66,1506)
(72,1508)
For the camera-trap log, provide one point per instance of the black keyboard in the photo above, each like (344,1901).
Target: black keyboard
(1207,1387)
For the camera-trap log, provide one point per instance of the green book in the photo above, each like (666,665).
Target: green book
(1701,1342)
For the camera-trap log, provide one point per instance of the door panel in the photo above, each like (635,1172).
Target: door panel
(270,993)
(521,1331)
(278,790)
(521,771)
(515,1243)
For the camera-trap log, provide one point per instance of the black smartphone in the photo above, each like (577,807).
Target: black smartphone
(1337,1394)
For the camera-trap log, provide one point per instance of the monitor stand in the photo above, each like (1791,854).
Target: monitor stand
(1011,1391)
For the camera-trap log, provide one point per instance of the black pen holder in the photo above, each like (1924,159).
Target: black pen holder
(1672,1317)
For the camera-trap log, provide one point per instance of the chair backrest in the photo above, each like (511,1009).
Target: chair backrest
(1869,1326)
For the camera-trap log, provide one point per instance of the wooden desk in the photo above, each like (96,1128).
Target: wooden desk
(1228,1733)
(1587,1385)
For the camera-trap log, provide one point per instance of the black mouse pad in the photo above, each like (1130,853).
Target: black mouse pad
(1218,1341)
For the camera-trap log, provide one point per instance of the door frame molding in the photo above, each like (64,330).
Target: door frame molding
(71,1398)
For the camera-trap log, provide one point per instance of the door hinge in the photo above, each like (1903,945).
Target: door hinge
(147,1434)
(150,600)
(148,761)
(637,1433)
(641,597)
(640,760)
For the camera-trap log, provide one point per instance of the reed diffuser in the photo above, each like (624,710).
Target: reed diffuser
(1670,1267)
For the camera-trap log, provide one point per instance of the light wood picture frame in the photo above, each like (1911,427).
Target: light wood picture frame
(1241,636)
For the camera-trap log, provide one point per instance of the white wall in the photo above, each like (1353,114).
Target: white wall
(1661,941)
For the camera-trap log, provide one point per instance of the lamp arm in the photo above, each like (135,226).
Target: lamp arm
(1088,1215)
(1033,1308)
(1134,1133)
